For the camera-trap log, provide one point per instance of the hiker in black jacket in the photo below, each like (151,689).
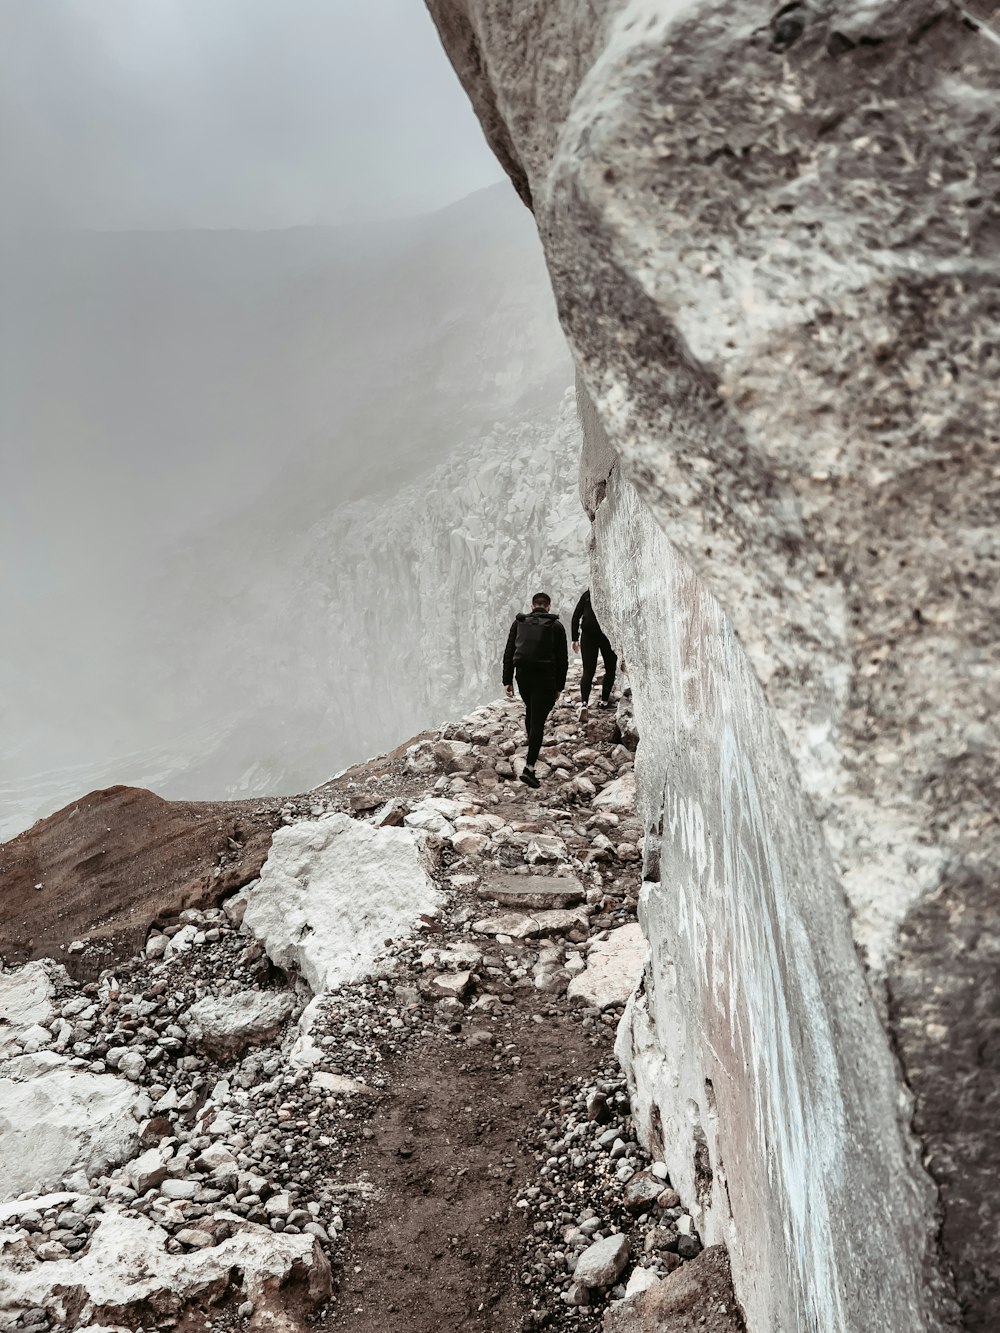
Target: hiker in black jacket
(589,638)
(536,654)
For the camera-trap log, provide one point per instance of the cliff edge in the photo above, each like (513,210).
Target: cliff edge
(772,236)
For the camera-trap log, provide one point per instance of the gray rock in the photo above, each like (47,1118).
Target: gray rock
(132,1065)
(179,1188)
(601,1263)
(226,1026)
(538,892)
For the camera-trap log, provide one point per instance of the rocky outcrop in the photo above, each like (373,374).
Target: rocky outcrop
(772,238)
(306,907)
(57,1121)
(127,1273)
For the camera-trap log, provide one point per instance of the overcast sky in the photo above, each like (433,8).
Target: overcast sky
(229,113)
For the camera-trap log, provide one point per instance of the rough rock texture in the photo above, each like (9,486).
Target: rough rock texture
(613,969)
(127,1274)
(697,1298)
(225,1027)
(26,1000)
(772,234)
(600,1263)
(306,908)
(106,866)
(55,1120)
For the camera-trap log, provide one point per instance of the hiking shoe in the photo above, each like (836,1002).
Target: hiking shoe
(528,777)
(583,714)
(605,703)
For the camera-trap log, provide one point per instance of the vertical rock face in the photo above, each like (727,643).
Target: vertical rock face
(773,238)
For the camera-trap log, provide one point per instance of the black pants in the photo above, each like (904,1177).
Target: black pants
(590,645)
(538,690)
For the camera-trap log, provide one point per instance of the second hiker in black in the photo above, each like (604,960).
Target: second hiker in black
(536,657)
(589,640)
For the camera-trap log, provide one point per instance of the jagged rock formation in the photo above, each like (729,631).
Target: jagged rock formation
(772,238)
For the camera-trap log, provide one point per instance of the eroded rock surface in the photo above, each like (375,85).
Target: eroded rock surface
(56,1120)
(330,893)
(614,967)
(772,238)
(127,1271)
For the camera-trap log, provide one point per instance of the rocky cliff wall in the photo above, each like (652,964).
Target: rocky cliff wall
(772,234)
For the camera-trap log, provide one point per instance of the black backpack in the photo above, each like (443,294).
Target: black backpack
(533,645)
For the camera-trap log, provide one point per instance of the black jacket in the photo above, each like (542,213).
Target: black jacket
(559,663)
(584,619)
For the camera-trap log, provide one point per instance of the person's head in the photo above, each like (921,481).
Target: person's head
(541,601)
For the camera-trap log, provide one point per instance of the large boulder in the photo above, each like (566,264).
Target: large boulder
(56,1120)
(772,237)
(332,891)
(127,1276)
(26,1000)
(225,1026)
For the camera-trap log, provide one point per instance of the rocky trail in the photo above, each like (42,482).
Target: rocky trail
(372,1087)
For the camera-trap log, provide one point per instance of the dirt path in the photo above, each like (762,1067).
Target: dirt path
(442,1247)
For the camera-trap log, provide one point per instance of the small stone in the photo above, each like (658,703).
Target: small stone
(450,985)
(132,1065)
(195,1238)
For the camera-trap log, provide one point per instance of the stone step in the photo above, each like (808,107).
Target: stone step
(538,892)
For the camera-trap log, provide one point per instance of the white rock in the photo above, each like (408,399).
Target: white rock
(614,966)
(34,1038)
(340,1084)
(640,1280)
(618,795)
(225,1026)
(525,925)
(178,1188)
(55,1119)
(600,1264)
(332,891)
(127,1269)
(545,847)
(26,1000)
(132,1065)
(420,758)
(429,820)
(181,942)
(156,946)
(15,1208)
(470,844)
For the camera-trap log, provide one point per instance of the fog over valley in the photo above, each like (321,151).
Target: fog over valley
(231,406)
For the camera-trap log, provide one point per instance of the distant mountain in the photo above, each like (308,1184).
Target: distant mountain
(180,412)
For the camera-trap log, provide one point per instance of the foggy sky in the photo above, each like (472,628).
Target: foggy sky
(228,113)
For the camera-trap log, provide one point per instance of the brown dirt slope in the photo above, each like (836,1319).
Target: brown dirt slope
(115,861)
